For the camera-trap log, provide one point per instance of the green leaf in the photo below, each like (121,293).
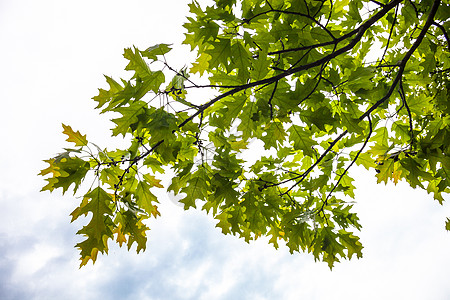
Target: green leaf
(302,140)
(196,189)
(385,169)
(352,124)
(240,59)
(146,199)
(66,171)
(225,113)
(131,116)
(351,243)
(220,54)
(151,81)
(260,66)
(105,96)
(154,164)
(365,159)
(161,126)
(415,171)
(319,117)
(327,243)
(134,228)
(223,223)
(99,226)
(153,51)
(74,137)
(202,64)
(274,135)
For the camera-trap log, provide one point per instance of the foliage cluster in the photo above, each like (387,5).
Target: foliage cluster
(323,85)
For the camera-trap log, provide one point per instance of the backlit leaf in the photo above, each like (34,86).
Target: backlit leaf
(74,137)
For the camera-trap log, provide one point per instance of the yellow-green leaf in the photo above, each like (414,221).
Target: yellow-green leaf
(74,137)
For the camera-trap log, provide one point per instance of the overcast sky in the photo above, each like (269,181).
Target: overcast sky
(53,56)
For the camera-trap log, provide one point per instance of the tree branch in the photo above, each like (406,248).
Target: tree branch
(379,102)
(360,32)
(350,165)
(405,59)
(444,32)
(403,96)
(390,35)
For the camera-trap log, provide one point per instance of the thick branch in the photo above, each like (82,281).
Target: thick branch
(379,102)
(333,42)
(360,32)
(405,59)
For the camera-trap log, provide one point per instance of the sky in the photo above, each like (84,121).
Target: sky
(52,61)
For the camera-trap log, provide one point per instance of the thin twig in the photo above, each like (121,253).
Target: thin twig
(390,34)
(444,32)
(350,165)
